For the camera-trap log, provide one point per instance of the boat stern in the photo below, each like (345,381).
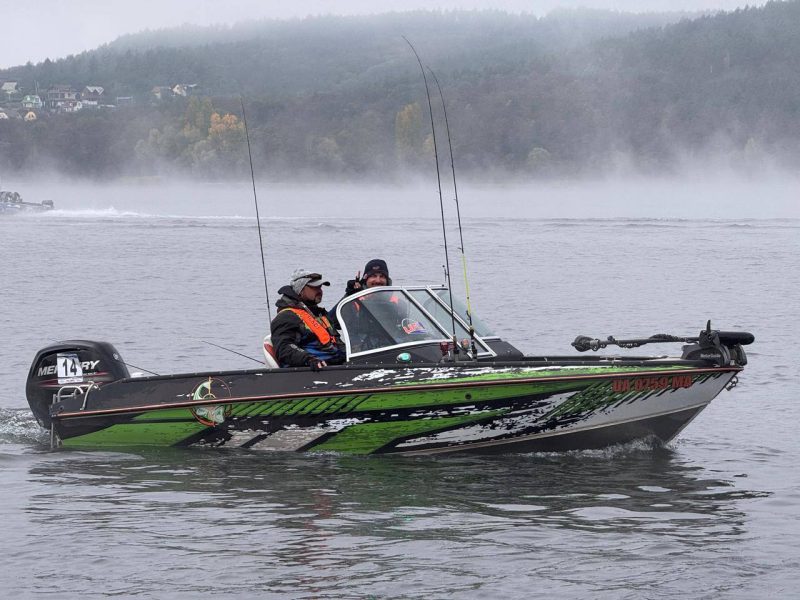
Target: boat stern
(70,368)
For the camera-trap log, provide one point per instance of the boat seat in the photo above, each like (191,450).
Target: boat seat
(269,353)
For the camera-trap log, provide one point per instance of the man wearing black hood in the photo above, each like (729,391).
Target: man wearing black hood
(376,273)
(302,335)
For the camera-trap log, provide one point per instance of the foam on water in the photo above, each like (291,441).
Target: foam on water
(18,426)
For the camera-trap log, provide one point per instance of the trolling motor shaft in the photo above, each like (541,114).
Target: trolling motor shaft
(719,347)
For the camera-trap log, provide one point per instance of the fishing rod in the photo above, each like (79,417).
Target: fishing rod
(261,362)
(458,213)
(441,201)
(138,368)
(255,199)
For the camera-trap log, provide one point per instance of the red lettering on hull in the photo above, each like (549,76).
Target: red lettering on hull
(649,384)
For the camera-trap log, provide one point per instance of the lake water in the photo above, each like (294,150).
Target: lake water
(158,269)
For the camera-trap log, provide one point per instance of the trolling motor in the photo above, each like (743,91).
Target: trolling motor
(719,347)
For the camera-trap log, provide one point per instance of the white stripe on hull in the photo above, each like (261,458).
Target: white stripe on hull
(549,434)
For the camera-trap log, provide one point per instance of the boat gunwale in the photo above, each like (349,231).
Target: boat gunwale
(528,362)
(409,387)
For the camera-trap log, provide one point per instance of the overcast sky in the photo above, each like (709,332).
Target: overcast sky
(33,31)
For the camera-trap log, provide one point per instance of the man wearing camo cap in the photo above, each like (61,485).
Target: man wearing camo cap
(302,334)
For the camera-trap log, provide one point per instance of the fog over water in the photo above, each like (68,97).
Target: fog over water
(699,195)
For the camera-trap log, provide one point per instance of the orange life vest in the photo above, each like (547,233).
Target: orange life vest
(394,299)
(319,326)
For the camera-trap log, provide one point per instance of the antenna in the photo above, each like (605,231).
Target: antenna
(458,212)
(441,202)
(255,199)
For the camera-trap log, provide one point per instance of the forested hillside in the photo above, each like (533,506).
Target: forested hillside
(576,92)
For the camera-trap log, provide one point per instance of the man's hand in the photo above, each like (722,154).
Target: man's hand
(316,364)
(353,285)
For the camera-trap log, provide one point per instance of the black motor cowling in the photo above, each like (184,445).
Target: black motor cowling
(73,363)
(719,347)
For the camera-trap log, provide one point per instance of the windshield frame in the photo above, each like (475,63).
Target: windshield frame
(432,289)
(481,345)
(484,348)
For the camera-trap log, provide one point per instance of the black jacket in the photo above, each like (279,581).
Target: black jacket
(294,343)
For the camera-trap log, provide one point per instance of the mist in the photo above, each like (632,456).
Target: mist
(91,24)
(574,95)
(720,195)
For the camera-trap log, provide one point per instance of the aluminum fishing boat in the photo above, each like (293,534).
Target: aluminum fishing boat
(407,387)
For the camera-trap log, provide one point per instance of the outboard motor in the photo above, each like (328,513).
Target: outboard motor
(69,368)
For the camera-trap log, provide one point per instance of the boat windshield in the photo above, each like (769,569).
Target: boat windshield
(481,328)
(381,318)
(440,310)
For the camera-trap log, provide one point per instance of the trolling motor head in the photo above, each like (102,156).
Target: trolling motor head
(720,347)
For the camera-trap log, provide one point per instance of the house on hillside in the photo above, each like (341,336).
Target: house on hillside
(32,101)
(9,90)
(30,116)
(92,95)
(63,98)
(185,89)
(3,116)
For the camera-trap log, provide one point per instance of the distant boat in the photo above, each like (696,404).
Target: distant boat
(12,203)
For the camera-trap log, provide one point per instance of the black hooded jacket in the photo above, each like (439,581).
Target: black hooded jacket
(294,343)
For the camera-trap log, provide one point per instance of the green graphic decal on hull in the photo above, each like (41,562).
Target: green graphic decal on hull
(410,399)
(517,373)
(370,437)
(139,434)
(603,395)
(170,414)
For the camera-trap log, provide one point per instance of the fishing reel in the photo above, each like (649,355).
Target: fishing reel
(456,352)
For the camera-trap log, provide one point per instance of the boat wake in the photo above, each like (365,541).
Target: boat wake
(647,446)
(112,213)
(88,213)
(18,426)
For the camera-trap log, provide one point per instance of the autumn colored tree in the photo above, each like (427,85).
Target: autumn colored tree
(409,135)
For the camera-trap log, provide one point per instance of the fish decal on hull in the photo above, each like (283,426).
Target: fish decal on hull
(213,414)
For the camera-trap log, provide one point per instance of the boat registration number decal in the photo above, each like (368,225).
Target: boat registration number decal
(643,384)
(69,368)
